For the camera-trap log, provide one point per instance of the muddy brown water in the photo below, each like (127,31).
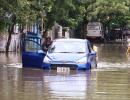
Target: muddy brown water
(110,81)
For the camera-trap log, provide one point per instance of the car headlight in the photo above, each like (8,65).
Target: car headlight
(46,60)
(82,60)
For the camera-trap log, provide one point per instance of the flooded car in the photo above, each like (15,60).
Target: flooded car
(66,54)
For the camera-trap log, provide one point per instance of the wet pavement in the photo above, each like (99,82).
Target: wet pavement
(11,58)
(110,81)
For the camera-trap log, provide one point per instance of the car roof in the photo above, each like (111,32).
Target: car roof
(70,40)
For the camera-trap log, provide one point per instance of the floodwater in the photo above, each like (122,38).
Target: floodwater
(110,81)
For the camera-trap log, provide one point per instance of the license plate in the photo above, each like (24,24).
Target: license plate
(63,69)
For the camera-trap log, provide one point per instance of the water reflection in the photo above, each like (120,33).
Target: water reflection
(110,81)
(10,58)
(112,55)
(59,86)
(73,86)
(37,84)
(112,85)
(10,83)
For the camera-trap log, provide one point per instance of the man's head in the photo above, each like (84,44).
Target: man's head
(48,39)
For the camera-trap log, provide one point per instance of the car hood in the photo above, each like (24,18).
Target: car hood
(66,56)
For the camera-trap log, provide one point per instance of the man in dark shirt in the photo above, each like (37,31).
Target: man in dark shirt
(46,44)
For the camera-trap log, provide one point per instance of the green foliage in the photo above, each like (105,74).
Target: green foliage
(108,11)
(66,12)
(25,11)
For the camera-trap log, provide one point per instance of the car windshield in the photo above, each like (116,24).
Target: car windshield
(68,47)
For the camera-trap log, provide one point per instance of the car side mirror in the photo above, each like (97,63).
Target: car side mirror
(92,53)
(51,49)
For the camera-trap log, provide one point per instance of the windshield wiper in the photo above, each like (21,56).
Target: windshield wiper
(79,52)
(70,52)
(65,52)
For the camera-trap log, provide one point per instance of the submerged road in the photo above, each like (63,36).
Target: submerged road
(110,81)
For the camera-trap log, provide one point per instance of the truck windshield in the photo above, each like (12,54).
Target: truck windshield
(90,27)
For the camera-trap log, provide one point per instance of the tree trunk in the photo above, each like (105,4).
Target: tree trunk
(10,31)
(22,36)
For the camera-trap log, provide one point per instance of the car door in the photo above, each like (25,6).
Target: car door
(32,55)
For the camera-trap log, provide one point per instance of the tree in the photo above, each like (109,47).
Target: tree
(104,9)
(66,13)
(23,12)
(111,11)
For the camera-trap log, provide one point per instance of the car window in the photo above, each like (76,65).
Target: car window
(68,47)
(32,46)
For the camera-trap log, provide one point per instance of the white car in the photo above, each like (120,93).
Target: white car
(70,53)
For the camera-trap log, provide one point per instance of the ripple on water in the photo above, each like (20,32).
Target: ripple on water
(113,65)
(17,65)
